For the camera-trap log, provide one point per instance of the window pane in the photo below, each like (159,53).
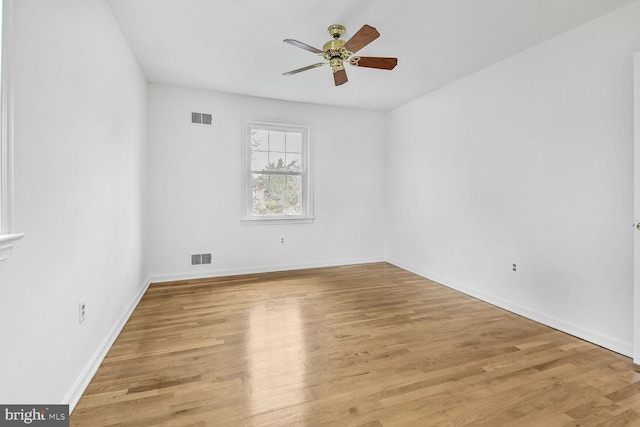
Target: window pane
(293,162)
(277,141)
(277,194)
(278,184)
(259,140)
(276,204)
(293,197)
(277,161)
(259,160)
(260,194)
(294,142)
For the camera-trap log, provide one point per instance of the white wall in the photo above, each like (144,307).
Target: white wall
(80,132)
(196,192)
(529,160)
(636,240)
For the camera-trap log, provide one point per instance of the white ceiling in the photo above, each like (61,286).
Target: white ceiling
(236,46)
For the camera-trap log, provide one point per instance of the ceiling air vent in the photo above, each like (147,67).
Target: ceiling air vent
(201,118)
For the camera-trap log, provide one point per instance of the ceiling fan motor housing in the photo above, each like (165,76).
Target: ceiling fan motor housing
(335,54)
(333,49)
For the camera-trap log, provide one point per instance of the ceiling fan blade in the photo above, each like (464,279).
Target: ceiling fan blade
(363,37)
(299,70)
(301,45)
(375,62)
(340,77)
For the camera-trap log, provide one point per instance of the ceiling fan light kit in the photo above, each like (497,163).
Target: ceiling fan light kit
(337,51)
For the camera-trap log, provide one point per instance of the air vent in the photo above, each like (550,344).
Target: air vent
(201,118)
(200,259)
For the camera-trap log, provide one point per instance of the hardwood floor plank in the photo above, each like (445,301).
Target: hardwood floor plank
(361,345)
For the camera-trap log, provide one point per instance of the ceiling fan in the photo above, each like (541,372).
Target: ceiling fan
(336,52)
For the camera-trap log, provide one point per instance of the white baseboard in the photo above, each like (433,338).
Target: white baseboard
(73,396)
(203,274)
(594,337)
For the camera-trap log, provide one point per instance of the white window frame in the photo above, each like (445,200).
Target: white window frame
(7,236)
(306,216)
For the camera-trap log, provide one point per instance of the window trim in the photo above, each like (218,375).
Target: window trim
(7,236)
(306,217)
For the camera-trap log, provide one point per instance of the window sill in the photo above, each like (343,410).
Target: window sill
(6,244)
(277,221)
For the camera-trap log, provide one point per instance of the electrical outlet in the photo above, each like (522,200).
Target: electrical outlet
(515,267)
(82,310)
(282,240)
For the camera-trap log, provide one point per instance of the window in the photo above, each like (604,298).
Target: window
(277,167)
(7,237)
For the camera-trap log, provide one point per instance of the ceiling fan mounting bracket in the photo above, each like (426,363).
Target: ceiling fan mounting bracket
(336,30)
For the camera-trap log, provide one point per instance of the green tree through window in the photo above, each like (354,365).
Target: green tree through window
(277,172)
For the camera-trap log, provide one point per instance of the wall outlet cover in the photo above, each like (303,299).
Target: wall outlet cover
(82,310)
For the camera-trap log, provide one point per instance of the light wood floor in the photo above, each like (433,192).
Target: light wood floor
(368,345)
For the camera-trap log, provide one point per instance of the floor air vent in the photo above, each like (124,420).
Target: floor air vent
(200,259)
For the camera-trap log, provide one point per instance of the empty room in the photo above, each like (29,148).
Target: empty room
(349,213)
